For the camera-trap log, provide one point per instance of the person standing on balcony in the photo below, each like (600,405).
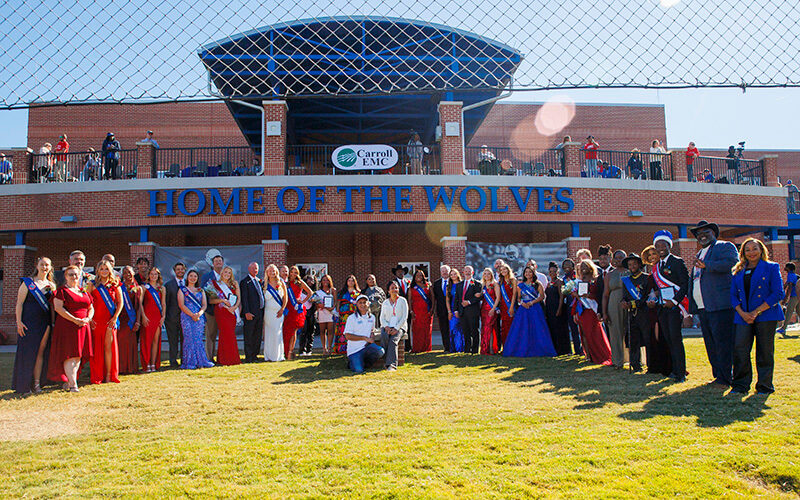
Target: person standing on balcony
(691,155)
(62,148)
(45,162)
(149,138)
(656,150)
(562,158)
(91,166)
(590,150)
(111,156)
(5,170)
(635,166)
(415,154)
(730,162)
(792,198)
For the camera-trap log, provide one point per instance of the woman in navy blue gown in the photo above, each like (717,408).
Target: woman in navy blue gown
(529,336)
(456,334)
(34,318)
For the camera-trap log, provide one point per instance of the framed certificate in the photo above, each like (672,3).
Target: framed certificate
(327,301)
(583,288)
(668,293)
(232,299)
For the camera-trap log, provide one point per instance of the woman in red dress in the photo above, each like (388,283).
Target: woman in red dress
(507,287)
(296,314)
(595,342)
(107,303)
(72,336)
(129,322)
(226,313)
(422,316)
(153,314)
(490,300)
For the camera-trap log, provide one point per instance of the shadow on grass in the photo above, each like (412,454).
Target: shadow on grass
(796,359)
(317,368)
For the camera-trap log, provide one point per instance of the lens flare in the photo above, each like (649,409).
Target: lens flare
(555,115)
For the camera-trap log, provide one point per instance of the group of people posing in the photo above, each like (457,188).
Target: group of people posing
(606,312)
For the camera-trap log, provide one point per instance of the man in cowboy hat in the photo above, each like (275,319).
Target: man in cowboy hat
(634,300)
(709,296)
(399,272)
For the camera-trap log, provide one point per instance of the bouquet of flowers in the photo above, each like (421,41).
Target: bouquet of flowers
(569,286)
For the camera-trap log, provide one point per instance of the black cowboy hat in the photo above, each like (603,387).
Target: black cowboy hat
(632,256)
(705,225)
(399,267)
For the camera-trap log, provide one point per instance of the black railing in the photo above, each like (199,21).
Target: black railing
(513,161)
(729,171)
(793,201)
(315,159)
(83,166)
(207,162)
(628,165)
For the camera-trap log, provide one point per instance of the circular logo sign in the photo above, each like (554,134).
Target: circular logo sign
(346,157)
(364,157)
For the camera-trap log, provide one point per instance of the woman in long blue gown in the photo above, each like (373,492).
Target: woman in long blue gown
(193,323)
(529,335)
(456,335)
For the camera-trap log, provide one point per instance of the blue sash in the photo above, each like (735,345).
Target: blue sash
(275,295)
(37,294)
(529,292)
(187,295)
(506,299)
(156,297)
(629,286)
(297,307)
(424,296)
(126,301)
(107,300)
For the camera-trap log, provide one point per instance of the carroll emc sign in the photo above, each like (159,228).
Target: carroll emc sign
(380,199)
(366,157)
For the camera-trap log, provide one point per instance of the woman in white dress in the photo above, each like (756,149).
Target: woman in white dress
(274,307)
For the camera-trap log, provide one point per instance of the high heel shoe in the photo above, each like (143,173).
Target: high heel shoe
(36,387)
(74,389)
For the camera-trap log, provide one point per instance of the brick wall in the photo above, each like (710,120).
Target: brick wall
(18,261)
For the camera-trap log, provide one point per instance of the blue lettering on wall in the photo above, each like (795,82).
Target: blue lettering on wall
(301,200)
(383,198)
(216,201)
(481,198)
(348,197)
(254,196)
(521,204)
(563,196)
(545,196)
(167,203)
(493,194)
(441,196)
(399,198)
(201,202)
(315,198)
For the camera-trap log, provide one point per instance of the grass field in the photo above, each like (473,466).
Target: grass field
(443,426)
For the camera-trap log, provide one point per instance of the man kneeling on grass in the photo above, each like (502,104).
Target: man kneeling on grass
(361,348)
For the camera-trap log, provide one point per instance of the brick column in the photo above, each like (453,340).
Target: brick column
(576,243)
(146,249)
(454,252)
(146,167)
(778,252)
(362,255)
(769,164)
(679,171)
(275,252)
(274,145)
(22,161)
(573,159)
(452,146)
(18,261)
(686,249)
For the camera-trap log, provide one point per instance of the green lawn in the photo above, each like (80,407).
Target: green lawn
(443,426)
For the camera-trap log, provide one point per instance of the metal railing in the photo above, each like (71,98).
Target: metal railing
(728,171)
(207,162)
(629,165)
(793,201)
(315,159)
(83,166)
(492,161)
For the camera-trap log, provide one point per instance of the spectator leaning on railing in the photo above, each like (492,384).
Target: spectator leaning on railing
(5,170)
(656,150)
(792,197)
(149,138)
(591,148)
(62,148)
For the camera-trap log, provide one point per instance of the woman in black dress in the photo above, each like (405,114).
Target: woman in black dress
(659,358)
(34,318)
(553,311)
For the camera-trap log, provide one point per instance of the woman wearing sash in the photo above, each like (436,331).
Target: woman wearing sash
(584,311)
(346,305)
(192,303)
(311,326)
(72,336)
(296,316)
(422,316)
(659,357)
(153,315)
(490,301)
(34,316)
(456,334)
(616,317)
(554,312)
(129,322)
(107,303)
(529,336)
(570,279)
(325,307)
(226,313)
(275,302)
(508,286)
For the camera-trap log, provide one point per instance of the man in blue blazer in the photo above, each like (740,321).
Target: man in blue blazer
(709,292)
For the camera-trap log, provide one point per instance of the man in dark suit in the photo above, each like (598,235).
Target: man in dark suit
(399,273)
(172,321)
(709,296)
(469,310)
(440,305)
(672,280)
(212,330)
(252,312)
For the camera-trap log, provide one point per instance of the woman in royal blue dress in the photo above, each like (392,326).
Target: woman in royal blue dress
(529,336)
(192,302)
(456,335)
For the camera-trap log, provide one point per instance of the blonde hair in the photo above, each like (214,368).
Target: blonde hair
(743,260)
(491,273)
(646,253)
(231,282)
(591,265)
(583,251)
(112,277)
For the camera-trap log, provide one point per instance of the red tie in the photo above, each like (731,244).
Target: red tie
(466,284)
